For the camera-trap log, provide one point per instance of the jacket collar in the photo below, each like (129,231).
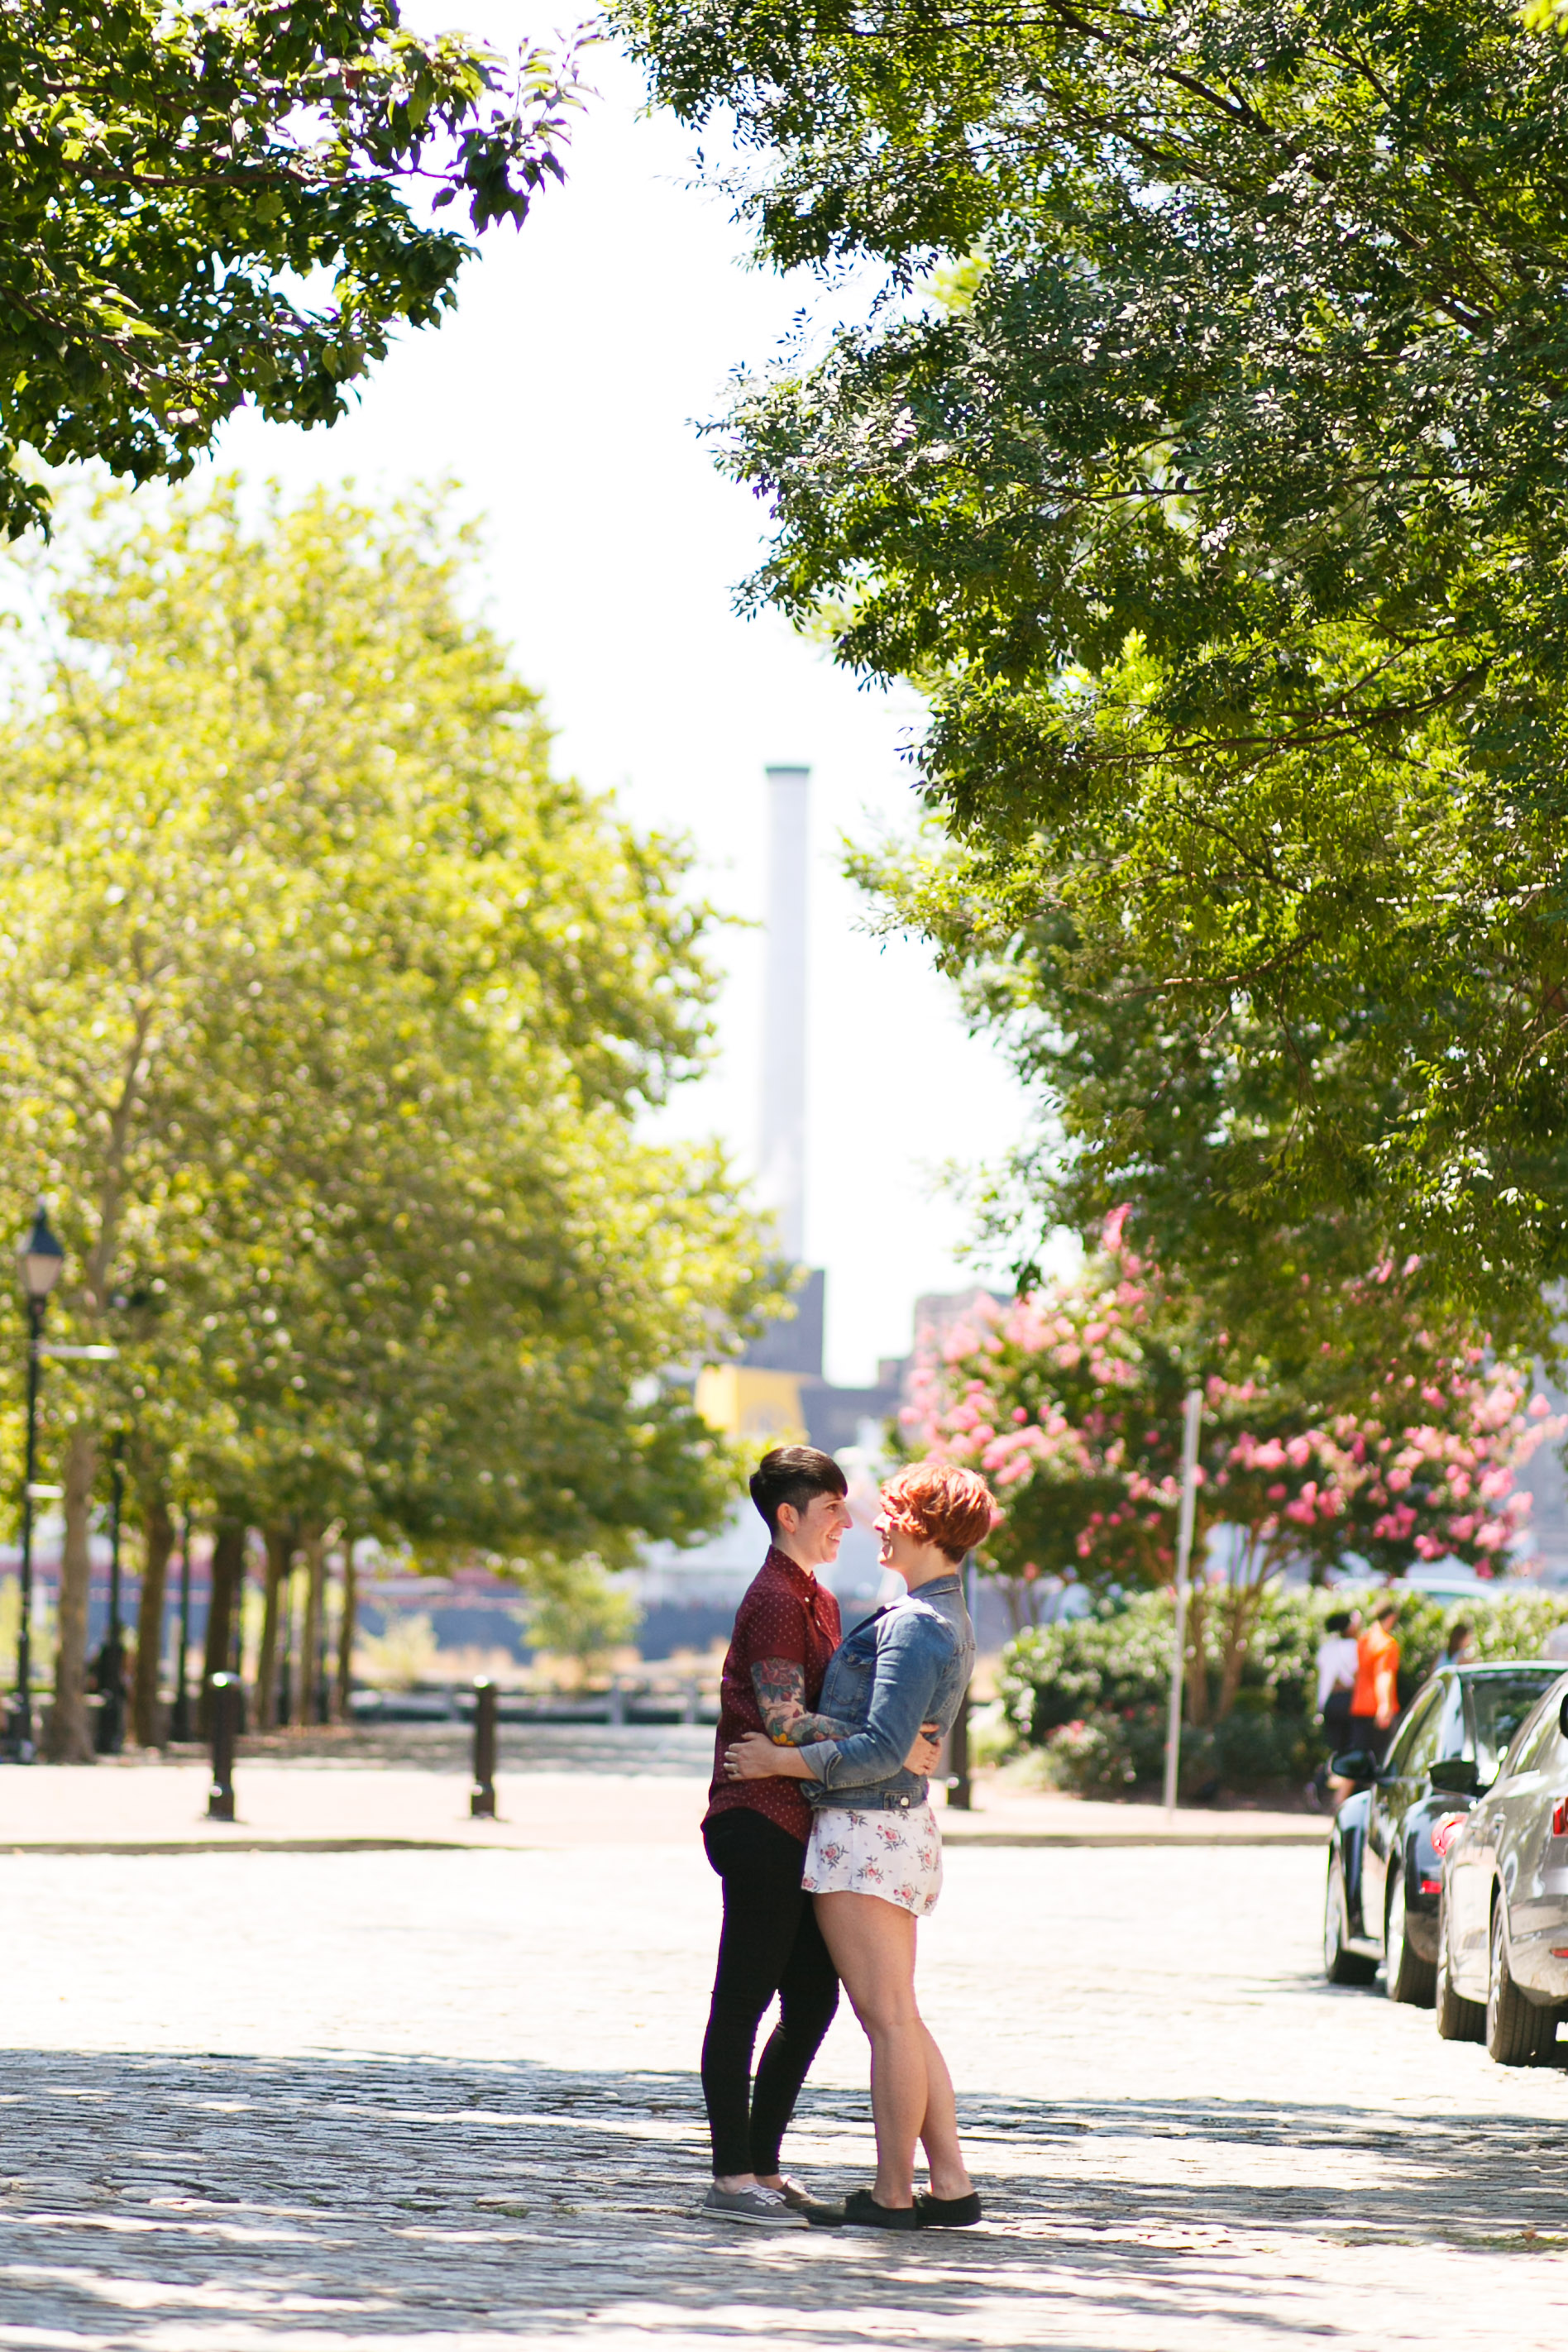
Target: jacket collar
(951,1582)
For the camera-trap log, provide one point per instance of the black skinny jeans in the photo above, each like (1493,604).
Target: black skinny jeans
(771,1944)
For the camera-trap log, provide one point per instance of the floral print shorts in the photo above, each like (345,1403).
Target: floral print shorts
(896,1855)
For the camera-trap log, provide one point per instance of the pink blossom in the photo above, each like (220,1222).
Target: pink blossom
(1115,1225)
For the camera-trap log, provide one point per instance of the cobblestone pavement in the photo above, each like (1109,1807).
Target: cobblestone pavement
(444,2103)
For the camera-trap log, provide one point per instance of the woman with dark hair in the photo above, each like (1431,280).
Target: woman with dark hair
(873,1864)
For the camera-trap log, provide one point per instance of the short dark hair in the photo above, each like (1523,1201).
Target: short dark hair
(1339,1623)
(1459,1631)
(793,1474)
(1389,1608)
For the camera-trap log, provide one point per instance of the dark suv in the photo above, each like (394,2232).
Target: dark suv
(1385,1852)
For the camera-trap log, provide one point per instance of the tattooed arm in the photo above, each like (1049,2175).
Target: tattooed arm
(780,1686)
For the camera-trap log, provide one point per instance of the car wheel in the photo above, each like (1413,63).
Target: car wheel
(1407,1976)
(1514,2026)
(1341,1966)
(1458,2020)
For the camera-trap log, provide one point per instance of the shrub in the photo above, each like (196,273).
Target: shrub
(1092,1692)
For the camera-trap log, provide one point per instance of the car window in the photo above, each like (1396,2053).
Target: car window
(1417,1732)
(1537,1734)
(1451,1732)
(1423,1739)
(1499,1704)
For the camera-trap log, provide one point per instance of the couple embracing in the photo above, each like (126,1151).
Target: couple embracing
(820,1829)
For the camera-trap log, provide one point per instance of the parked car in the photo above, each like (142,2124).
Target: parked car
(1386,1851)
(1502,1931)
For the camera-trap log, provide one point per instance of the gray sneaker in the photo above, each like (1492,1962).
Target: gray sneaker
(764,2207)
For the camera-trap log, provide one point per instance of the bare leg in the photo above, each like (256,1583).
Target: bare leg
(939,2132)
(873,1947)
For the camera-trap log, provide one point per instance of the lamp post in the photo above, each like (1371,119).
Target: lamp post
(40,1259)
(1193,1416)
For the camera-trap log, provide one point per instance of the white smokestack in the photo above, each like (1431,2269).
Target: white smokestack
(783,1008)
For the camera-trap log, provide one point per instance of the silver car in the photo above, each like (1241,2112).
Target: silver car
(1503,1922)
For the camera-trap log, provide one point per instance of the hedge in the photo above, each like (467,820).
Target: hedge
(1092,1692)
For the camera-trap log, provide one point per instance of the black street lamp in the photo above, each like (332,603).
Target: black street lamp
(40,1259)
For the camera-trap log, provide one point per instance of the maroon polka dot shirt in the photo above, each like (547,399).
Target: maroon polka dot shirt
(786,1613)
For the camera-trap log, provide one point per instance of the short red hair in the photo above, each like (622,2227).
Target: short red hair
(938,1503)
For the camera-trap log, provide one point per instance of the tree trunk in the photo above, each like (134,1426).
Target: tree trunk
(279,1544)
(309,1709)
(227,1574)
(1245,1603)
(347,1626)
(158,1530)
(1196,1661)
(70,1740)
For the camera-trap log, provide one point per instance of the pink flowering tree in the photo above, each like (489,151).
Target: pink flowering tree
(1068,1402)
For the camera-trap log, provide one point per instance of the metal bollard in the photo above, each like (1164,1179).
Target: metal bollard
(688,1702)
(960,1794)
(617,1713)
(482,1803)
(225,1701)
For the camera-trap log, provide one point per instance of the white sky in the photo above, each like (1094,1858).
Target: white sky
(561,396)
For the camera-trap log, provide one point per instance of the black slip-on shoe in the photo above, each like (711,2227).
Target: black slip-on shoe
(946,2213)
(861,2212)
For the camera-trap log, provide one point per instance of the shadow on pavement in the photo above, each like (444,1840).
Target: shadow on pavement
(238,2202)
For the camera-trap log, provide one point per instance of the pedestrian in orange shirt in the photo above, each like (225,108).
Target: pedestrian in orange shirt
(1374,1702)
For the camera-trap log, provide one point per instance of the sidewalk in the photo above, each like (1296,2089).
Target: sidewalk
(639,1787)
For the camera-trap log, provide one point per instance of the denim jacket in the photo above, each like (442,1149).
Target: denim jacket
(909,1665)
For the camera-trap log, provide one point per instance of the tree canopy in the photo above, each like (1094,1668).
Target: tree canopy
(1213,487)
(331,1014)
(208,206)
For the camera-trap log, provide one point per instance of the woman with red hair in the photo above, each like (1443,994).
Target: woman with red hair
(873,1864)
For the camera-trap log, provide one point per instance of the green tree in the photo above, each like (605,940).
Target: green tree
(1217,496)
(581,1614)
(336,1012)
(207,208)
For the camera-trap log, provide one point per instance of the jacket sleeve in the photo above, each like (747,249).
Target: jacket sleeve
(908,1671)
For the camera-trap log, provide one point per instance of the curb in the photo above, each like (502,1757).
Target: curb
(1169,1839)
(244,1844)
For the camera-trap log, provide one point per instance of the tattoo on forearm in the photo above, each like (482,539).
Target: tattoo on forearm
(780,1686)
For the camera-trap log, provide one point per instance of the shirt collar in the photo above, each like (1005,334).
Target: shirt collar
(950,1582)
(799,1580)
